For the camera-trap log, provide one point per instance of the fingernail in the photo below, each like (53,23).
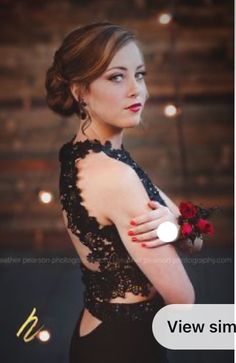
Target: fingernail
(133,223)
(143,244)
(134,239)
(130,233)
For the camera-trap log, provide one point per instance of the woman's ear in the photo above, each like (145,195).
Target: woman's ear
(77,91)
(74,88)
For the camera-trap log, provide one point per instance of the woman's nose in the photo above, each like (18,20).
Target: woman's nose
(134,87)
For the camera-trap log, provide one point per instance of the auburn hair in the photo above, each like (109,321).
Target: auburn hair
(83,56)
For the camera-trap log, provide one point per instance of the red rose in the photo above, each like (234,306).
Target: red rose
(205,226)
(186,229)
(187,209)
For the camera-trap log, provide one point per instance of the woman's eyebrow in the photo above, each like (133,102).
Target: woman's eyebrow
(124,68)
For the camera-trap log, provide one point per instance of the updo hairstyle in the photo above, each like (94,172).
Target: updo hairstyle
(84,55)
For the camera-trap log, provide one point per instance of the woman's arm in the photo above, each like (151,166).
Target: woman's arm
(170,204)
(143,227)
(124,197)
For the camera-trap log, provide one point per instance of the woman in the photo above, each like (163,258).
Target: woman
(98,74)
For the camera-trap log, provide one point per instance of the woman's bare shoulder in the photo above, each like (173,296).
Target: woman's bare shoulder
(106,169)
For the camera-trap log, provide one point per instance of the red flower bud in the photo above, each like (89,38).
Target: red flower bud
(187,209)
(205,227)
(186,229)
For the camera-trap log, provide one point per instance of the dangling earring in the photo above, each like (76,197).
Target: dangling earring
(82,111)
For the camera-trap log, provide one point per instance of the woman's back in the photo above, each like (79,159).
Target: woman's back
(109,272)
(117,289)
(117,292)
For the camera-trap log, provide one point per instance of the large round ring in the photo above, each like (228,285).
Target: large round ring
(167,231)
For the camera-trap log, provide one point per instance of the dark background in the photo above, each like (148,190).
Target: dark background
(189,63)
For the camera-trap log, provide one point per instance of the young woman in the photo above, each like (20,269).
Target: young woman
(98,74)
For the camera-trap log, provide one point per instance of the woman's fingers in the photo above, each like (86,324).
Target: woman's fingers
(146,227)
(153,215)
(154,204)
(154,243)
(149,216)
(145,236)
(144,218)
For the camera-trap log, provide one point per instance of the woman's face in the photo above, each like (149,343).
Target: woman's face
(120,86)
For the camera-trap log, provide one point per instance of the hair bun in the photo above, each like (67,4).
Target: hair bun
(59,97)
(83,56)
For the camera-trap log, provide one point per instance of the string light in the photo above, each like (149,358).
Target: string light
(165,18)
(45,196)
(44,336)
(170,110)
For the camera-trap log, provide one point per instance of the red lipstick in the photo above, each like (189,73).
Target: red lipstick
(135,107)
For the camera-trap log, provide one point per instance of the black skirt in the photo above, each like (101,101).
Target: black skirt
(117,341)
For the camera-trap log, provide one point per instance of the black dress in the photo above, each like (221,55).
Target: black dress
(125,334)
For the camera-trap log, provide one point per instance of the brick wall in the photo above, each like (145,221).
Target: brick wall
(193,57)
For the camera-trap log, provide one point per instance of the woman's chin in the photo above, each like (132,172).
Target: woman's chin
(132,122)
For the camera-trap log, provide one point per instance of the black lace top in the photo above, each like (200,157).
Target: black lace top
(118,273)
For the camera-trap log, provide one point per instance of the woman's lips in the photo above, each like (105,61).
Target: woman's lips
(135,107)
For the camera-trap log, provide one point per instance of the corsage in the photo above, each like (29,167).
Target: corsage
(194,224)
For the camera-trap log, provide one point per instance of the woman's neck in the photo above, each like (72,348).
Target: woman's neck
(102,134)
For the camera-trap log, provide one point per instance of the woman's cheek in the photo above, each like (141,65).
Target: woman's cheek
(112,97)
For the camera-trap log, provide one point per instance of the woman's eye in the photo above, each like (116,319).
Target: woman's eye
(119,77)
(116,77)
(141,74)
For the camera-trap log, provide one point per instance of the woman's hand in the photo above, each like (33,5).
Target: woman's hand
(144,227)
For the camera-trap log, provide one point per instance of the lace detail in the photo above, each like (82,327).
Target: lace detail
(118,273)
(144,310)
